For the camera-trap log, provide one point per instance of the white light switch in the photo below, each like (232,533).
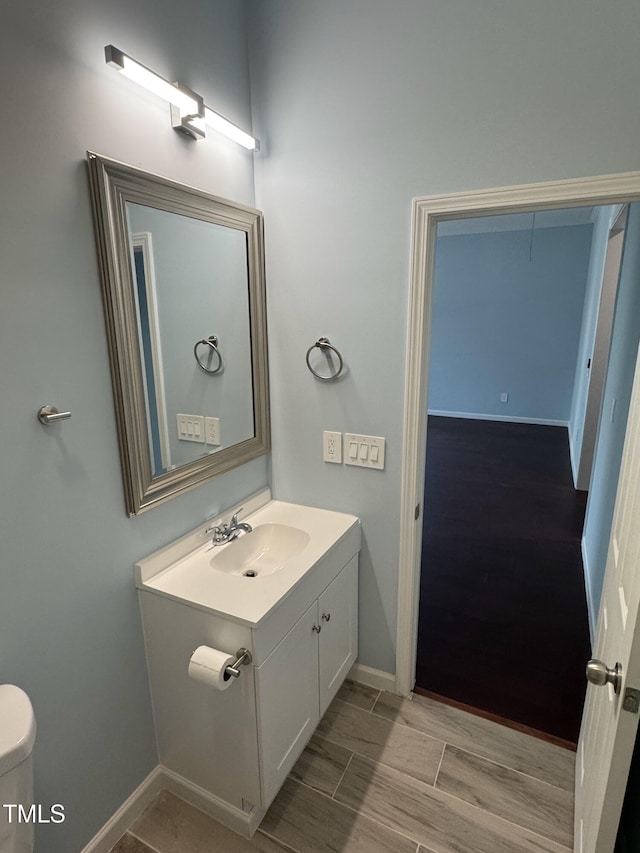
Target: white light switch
(191,428)
(367,451)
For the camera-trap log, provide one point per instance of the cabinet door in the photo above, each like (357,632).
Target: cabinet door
(338,616)
(287,702)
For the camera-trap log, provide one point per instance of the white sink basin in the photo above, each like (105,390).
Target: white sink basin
(264,551)
(295,551)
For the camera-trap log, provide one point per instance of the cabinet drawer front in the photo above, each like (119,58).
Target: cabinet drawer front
(338,613)
(287,702)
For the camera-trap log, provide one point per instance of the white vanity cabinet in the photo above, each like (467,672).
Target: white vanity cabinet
(229,751)
(298,680)
(338,638)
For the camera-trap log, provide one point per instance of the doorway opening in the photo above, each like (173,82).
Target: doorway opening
(428,212)
(518,304)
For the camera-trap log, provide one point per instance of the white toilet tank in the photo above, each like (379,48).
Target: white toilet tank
(17,736)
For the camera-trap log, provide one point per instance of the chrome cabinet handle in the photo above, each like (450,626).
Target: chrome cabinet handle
(599,673)
(326,617)
(317,628)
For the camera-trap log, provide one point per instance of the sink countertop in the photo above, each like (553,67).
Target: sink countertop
(192,580)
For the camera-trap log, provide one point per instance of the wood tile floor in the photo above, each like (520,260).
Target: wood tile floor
(384,774)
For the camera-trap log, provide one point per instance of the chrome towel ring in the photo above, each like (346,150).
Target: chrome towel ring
(324,344)
(211,342)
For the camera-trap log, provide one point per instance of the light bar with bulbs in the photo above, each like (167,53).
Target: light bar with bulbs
(189,114)
(217,122)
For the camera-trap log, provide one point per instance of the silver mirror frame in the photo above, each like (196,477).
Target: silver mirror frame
(113,185)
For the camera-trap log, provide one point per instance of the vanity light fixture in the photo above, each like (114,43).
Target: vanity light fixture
(189,114)
(217,122)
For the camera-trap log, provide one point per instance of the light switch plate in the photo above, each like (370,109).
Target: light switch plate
(191,428)
(365,451)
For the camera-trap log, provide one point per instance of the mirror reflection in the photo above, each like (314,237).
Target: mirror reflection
(191,285)
(183,279)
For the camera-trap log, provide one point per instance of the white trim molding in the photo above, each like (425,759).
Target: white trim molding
(427,213)
(244,823)
(574,454)
(370,677)
(163,779)
(128,813)
(592,611)
(512,419)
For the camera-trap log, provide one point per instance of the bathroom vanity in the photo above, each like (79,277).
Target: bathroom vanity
(287,592)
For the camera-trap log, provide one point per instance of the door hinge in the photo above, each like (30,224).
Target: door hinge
(631,701)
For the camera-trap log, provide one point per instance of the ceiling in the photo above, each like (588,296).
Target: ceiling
(518,221)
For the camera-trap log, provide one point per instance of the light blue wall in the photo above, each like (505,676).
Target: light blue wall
(506,318)
(622,362)
(70,630)
(363,105)
(588,330)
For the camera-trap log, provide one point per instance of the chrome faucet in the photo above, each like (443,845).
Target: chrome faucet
(223,533)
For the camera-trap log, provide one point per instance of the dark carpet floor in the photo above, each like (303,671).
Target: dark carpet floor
(503,619)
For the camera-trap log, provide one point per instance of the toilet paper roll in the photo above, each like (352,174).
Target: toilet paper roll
(208,666)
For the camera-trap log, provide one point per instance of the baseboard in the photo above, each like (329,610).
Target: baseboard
(370,677)
(474,416)
(244,823)
(592,613)
(161,778)
(128,812)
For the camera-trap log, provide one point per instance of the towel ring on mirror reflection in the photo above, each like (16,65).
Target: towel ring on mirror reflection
(212,343)
(325,344)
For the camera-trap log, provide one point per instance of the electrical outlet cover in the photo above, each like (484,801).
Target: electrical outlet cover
(212,431)
(332,446)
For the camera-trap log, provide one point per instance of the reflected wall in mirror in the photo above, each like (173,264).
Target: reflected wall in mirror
(183,284)
(191,284)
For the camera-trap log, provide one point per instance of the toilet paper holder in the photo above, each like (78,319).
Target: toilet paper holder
(243,658)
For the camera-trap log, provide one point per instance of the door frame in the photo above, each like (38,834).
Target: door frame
(427,212)
(596,368)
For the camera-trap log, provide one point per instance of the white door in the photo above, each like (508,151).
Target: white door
(608,731)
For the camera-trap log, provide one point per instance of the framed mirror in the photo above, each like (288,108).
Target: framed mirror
(183,286)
